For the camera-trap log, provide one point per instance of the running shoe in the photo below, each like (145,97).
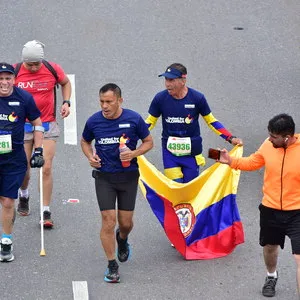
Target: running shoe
(268,289)
(111,274)
(48,223)
(6,250)
(23,206)
(123,251)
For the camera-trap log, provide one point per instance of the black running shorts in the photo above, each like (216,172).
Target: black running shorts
(276,224)
(116,186)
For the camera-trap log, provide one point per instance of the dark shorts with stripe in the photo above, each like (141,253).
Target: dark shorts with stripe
(276,224)
(116,187)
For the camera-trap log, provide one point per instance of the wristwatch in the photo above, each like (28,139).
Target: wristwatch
(67,101)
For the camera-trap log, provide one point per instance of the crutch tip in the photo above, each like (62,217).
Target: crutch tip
(43,253)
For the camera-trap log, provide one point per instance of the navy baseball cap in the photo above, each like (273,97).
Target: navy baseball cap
(5,67)
(172,74)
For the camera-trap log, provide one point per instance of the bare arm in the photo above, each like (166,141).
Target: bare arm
(66,91)
(87,149)
(38,135)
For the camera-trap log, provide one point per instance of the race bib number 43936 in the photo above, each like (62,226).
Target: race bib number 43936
(179,146)
(5,143)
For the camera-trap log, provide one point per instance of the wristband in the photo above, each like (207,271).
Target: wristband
(39,128)
(38,150)
(67,101)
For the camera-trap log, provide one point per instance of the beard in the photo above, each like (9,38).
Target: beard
(279,146)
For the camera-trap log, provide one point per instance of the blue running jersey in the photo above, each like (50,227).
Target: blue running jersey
(129,127)
(14,110)
(180,117)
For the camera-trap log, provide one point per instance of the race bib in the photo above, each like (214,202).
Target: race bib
(5,143)
(179,146)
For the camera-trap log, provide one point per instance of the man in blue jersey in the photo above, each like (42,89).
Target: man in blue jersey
(16,106)
(116,173)
(180,107)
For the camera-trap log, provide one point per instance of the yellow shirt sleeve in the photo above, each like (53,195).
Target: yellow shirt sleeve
(152,121)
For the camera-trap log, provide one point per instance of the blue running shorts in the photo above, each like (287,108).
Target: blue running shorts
(10,184)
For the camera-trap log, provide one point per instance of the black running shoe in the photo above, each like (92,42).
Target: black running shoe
(23,206)
(268,289)
(6,250)
(111,274)
(123,251)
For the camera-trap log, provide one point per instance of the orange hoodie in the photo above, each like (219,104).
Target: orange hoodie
(281,188)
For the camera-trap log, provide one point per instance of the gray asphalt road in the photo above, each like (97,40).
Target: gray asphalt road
(247,76)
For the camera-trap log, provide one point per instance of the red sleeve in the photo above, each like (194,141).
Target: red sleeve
(59,70)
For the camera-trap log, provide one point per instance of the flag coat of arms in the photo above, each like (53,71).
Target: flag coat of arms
(201,217)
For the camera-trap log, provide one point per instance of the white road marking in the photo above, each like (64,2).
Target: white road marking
(80,290)
(70,123)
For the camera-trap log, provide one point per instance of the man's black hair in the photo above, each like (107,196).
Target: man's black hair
(178,67)
(282,124)
(111,87)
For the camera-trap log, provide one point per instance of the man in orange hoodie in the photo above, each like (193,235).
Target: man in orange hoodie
(280,207)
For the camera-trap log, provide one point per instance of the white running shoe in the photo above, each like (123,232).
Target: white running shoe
(6,250)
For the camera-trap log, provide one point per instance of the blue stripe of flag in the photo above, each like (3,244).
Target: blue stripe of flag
(215,218)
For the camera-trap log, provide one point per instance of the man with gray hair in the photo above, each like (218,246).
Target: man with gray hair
(39,77)
(180,108)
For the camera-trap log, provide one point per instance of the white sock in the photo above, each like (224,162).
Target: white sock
(46,208)
(272,274)
(24,193)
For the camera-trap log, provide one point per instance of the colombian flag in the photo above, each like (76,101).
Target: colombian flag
(201,217)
